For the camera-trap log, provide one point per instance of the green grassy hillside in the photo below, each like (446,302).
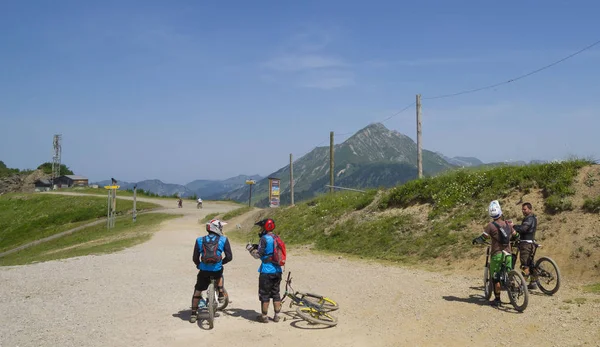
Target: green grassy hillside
(433,220)
(29,217)
(96,239)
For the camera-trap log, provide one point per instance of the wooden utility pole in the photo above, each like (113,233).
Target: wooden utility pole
(250,197)
(291,180)
(134,203)
(331,161)
(419,148)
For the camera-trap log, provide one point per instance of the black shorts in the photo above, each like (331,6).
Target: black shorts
(268,287)
(203,278)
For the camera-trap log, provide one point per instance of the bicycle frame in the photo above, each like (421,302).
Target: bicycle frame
(298,297)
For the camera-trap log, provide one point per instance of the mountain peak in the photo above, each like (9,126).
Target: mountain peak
(377,127)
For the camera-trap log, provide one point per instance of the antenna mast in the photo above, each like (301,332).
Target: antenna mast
(56,158)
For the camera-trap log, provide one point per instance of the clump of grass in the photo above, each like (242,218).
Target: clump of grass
(209,217)
(592,288)
(555,204)
(592,205)
(29,217)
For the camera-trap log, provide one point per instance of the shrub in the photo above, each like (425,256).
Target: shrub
(592,205)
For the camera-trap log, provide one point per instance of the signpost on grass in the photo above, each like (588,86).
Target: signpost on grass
(112,203)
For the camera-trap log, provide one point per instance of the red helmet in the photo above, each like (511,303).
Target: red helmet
(267,224)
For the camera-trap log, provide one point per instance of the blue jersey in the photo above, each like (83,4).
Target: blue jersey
(221,247)
(265,250)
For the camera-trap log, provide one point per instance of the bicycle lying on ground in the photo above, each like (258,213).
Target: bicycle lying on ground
(544,271)
(510,280)
(313,308)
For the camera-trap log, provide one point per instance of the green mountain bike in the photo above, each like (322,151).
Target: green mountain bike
(510,280)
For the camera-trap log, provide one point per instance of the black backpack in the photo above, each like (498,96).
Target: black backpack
(210,250)
(504,233)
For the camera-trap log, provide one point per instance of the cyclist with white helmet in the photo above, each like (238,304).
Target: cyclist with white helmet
(500,231)
(208,258)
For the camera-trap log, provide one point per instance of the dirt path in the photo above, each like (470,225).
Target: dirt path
(141,297)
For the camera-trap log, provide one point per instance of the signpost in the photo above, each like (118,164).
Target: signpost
(251,183)
(112,205)
(274,184)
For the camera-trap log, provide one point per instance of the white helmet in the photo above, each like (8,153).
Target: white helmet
(494,210)
(215,226)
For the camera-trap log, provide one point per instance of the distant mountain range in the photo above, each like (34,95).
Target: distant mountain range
(206,189)
(371,158)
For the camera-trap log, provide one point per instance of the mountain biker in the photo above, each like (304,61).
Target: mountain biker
(215,232)
(199,202)
(492,231)
(526,232)
(269,279)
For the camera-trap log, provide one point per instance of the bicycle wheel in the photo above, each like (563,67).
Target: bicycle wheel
(326,303)
(211,304)
(547,275)
(517,290)
(316,316)
(488,285)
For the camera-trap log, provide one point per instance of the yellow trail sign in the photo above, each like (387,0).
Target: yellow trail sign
(112,187)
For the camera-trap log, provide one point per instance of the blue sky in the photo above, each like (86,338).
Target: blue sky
(184,90)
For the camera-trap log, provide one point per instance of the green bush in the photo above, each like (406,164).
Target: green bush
(555,204)
(592,205)
(47,169)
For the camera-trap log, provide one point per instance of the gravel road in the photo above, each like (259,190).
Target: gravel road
(141,297)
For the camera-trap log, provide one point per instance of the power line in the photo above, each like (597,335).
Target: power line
(469,91)
(397,113)
(515,78)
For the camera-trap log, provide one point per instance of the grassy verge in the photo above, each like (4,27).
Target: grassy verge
(237,212)
(209,217)
(389,232)
(92,240)
(29,217)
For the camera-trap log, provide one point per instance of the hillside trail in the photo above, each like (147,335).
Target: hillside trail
(141,297)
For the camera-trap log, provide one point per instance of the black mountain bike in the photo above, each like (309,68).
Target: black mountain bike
(510,280)
(544,271)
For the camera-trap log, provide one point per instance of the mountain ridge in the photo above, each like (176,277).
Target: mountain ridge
(359,161)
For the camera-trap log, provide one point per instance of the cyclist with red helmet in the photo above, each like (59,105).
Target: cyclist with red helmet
(269,279)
